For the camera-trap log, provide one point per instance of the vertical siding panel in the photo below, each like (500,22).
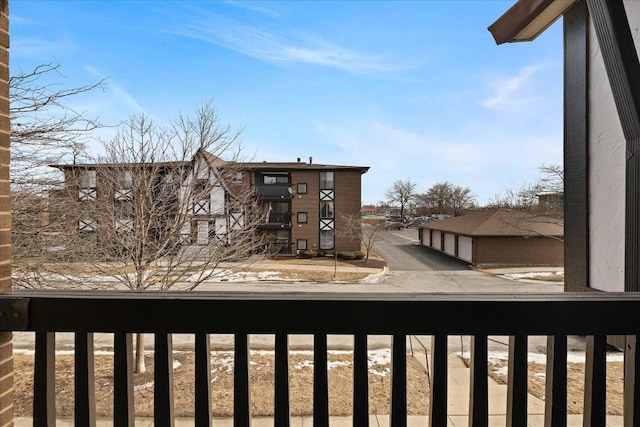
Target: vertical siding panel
(320,382)
(399,381)
(595,381)
(282,411)
(163,411)
(576,147)
(438,395)
(517,384)
(123,409)
(44,386)
(360,381)
(84,378)
(203,380)
(241,401)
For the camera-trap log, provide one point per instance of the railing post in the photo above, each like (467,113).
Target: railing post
(123,409)
(44,380)
(360,381)
(438,395)
(241,400)
(320,381)
(517,383)
(203,380)
(595,380)
(282,411)
(631,381)
(85,393)
(478,390)
(399,381)
(555,408)
(163,411)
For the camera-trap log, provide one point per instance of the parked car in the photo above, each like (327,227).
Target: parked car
(394,226)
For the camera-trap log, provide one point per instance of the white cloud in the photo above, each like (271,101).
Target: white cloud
(38,48)
(512,91)
(286,47)
(485,163)
(120,94)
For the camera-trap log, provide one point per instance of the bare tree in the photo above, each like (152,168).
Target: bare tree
(161,208)
(401,193)
(445,197)
(527,196)
(368,234)
(44,130)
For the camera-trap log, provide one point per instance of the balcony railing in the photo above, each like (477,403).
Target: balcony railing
(277,220)
(359,315)
(274,191)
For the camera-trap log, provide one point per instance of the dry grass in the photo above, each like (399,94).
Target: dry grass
(575,384)
(262,378)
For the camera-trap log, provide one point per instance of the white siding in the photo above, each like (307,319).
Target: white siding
(436,243)
(217,200)
(465,248)
(203,232)
(450,244)
(606,171)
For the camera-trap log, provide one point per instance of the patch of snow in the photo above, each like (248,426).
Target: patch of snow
(502,371)
(533,274)
(143,386)
(304,364)
(498,357)
(337,364)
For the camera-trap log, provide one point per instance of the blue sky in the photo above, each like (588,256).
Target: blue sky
(415,90)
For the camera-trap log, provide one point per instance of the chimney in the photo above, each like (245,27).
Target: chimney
(310,159)
(298,159)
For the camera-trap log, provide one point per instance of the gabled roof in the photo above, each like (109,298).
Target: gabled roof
(500,222)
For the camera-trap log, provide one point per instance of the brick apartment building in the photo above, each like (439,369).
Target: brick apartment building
(295,206)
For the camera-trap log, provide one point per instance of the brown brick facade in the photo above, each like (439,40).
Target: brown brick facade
(518,251)
(346,202)
(6,359)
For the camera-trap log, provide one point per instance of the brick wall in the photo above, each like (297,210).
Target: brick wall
(518,251)
(310,203)
(348,202)
(6,360)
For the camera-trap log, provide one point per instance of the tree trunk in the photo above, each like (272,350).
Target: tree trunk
(140,365)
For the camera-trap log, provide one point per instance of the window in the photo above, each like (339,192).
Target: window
(87,225)
(125,179)
(87,185)
(87,179)
(326,239)
(302,217)
(275,179)
(326,180)
(237,177)
(302,188)
(326,209)
(123,207)
(302,244)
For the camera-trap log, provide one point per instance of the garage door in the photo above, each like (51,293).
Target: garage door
(450,244)
(465,248)
(437,240)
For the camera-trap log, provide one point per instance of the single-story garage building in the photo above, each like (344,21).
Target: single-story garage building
(498,237)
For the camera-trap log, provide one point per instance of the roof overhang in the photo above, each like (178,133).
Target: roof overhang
(527,19)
